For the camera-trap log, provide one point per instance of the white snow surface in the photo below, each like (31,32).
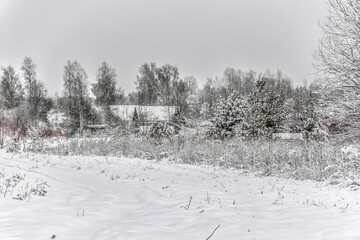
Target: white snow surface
(119,198)
(126,112)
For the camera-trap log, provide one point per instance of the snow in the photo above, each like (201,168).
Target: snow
(352,152)
(56,119)
(161,113)
(119,198)
(126,112)
(287,136)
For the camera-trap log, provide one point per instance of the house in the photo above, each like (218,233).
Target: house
(144,114)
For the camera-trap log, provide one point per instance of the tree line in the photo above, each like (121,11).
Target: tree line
(239,102)
(29,102)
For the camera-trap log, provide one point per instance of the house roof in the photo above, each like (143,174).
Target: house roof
(97,126)
(126,112)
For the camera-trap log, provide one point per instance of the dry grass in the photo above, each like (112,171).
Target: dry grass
(296,159)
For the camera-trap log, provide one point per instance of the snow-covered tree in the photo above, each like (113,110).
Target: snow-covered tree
(194,106)
(230,114)
(28,69)
(338,66)
(68,87)
(233,79)
(38,104)
(147,85)
(10,87)
(208,99)
(193,99)
(180,94)
(163,86)
(105,91)
(167,76)
(266,111)
(301,108)
(105,88)
(80,91)
(76,93)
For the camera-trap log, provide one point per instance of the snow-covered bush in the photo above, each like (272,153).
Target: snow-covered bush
(16,186)
(260,114)
(314,130)
(12,127)
(34,144)
(159,129)
(351,158)
(35,137)
(58,120)
(13,145)
(351,152)
(4,130)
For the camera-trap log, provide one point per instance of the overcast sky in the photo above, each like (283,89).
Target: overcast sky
(201,37)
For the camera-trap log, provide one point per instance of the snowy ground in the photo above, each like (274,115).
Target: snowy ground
(112,198)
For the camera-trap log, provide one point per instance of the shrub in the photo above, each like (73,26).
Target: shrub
(4,130)
(160,130)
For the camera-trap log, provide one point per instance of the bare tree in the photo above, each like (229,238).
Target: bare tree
(338,67)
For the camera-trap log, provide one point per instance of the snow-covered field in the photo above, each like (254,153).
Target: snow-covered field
(117,198)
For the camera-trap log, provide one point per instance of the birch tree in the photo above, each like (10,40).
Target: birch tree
(76,92)
(147,85)
(105,87)
(35,93)
(10,87)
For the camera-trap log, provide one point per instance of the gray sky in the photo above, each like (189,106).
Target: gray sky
(201,37)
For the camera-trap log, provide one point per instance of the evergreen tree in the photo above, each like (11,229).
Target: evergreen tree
(266,111)
(230,114)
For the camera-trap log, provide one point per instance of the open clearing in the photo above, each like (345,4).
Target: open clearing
(118,198)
